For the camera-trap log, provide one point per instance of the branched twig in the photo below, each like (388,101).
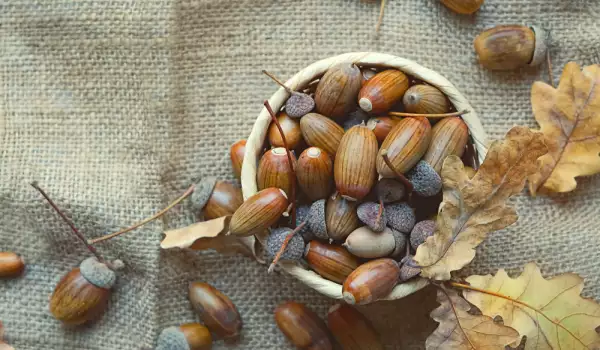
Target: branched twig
(284,245)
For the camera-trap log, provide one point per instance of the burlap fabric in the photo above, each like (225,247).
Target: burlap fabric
(115,107)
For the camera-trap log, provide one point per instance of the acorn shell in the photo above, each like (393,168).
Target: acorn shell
(405,144)
(341,217)
(381,127)
(189,336)
(304,328)
(258,212)
(291,130)
(314,173)
(337,90)
(463,7)
(274,170)
(11,265)
(508,47)
(320,131)
(425,99)
(331,261)
(448,137)
(371,281)
(351,329)
(236,154)
(216,310)
(224,200)
(354,166)
(366,243)
(382,91)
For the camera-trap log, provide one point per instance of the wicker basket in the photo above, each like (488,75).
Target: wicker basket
(256,140)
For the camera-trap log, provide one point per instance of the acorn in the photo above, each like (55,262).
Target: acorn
(373,215)
(389,190)
(337,90)
(216,310)
(320,131)
(215,198)
(189,336)
(384,90)
(371,281)
(400,217)
(274,170)
(302,212)
(405,145)
(314,173)
(340,217)
(354,167)
(426,182)
(420,232)
(302,326)
(11,265)
(366,243)
(351,329)
(236,154)
(316,219)
(82,294)
(507,47)
(291,131)
(425,99)
(381,127)
(294,250)
(331,261)
(258,212)
(463,7)
(408,268)
(298,104)
(448,137)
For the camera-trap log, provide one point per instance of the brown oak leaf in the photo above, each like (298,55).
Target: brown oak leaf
(474,207)
(211,234)
(550,312)
(569,117)
(460,330)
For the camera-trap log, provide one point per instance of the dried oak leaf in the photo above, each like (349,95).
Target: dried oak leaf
(569,117)
(461,330)
(550,312)
(211,234)
(473,207)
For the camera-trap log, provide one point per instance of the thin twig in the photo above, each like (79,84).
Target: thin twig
(399,175)
(290,162)
(73,228)
(145,221)
(279,82)
(549,65)
(441,115)
(284,245)
(380,19)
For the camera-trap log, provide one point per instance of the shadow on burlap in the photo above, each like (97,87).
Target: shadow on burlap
(115,107)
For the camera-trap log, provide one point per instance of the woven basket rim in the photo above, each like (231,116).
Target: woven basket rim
(256,139)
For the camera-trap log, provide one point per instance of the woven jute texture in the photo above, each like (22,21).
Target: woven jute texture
(115,107)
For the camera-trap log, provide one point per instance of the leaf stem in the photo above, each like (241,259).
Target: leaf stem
(399,175)
(284,245)
(186,194)
(279,82)
(437,115)
(290,162)
(66,220)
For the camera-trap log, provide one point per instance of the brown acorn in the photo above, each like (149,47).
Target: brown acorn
(354,166)
(291,130)
(340,217)
(331,261)
(11,265)
(274,170)
(425,99)
(82,294)
(381,127)
(337,90)
(371,281)
(216,310)
(405,144)
(448,137)
(258,212)
(351,329)
(224,200)
(463,7)
(320,131)
(189,336)
(381,92)
(302,326)
(236,153)
(314,173)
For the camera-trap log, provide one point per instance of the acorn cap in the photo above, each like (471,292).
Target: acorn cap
(298,105)
(302,212)
(400,216)
(420,232)
(541,45)
(425,180)
(389,190)
(407,271)
(294,249)
(172,338)
(316,219)
(202,192)
(400,248)
(97,273)
(368,213)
